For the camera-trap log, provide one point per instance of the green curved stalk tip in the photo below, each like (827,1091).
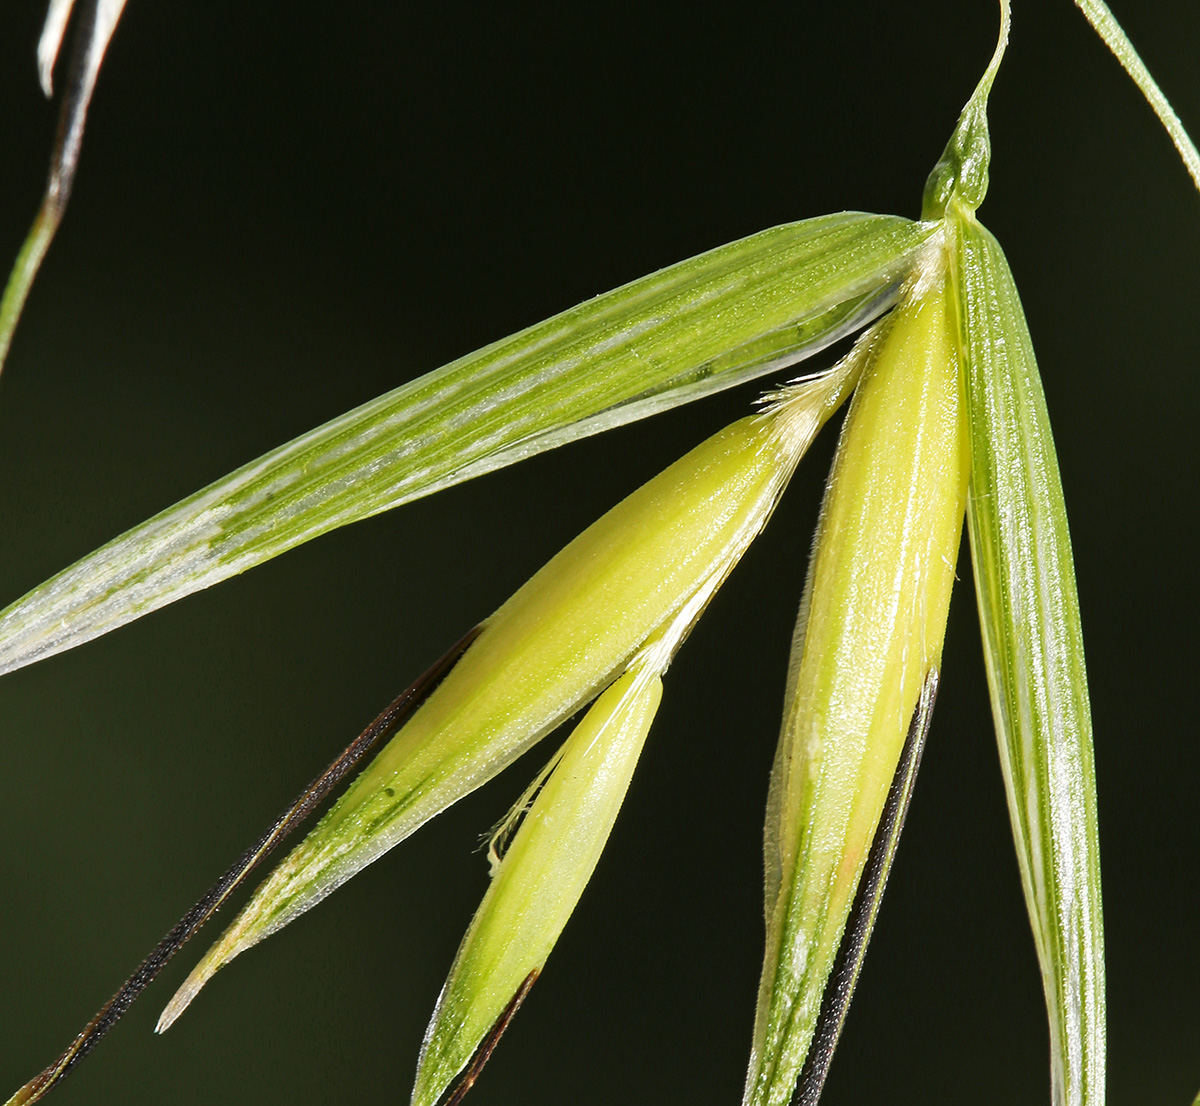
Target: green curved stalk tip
(705,324)
(20,280)
(1113,34)
(961,173)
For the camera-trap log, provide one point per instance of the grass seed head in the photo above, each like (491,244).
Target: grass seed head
(622,594)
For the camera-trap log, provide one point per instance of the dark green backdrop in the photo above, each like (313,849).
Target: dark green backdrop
(285,209)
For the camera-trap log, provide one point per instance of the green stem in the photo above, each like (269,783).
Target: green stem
(29,260)
(92,33)
(1115,38)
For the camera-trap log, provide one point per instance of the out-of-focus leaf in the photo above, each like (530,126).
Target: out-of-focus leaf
(1115,38)
(50,43)
(539,880)
(649,565)
(1033,648)
(705,324)
(95,28)
(868,637)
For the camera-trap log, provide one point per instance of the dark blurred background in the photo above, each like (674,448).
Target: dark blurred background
(285,209)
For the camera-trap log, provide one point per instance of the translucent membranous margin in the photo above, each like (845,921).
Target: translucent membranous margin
(1033,648)
(702,325)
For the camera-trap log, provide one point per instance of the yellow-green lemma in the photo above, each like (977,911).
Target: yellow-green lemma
(868,638)
(574,629)
(537,883)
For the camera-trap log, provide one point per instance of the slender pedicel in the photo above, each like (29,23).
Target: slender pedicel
(112,1011)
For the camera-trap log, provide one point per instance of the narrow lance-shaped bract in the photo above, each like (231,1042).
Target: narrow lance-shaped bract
(868,637)
(539,880)
(713,321)
(551,648)
(1033,649)
(1028,609)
